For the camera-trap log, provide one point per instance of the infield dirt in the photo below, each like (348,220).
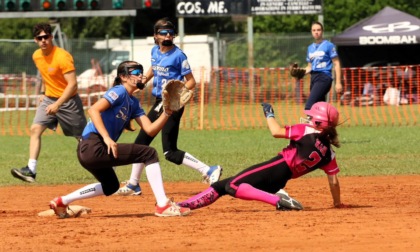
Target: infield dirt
(384,216)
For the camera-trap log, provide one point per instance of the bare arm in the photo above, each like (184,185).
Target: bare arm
(152,129)
(190,81)
(42,88)
(42,91)
(70,89)
(276,130)
(308,68)
(335,189)
(95,115)
(337,70)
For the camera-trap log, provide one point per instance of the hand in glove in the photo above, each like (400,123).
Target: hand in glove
(268,110)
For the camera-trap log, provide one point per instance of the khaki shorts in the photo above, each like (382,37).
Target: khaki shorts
(70,116)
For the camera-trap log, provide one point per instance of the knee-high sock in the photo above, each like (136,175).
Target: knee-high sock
(85,192)
(154,176)
(192,162)
(136,171)
(202,199)
(248,192)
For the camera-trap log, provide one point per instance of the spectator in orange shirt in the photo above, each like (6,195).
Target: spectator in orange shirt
(59,101)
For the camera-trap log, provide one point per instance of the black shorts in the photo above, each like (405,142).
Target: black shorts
(93,153)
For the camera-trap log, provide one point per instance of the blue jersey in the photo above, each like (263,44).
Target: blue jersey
(320,56)
(123,108)
(172,65)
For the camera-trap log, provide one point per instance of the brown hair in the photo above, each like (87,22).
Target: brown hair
(330,133)
(123,69)
(317,23)
(38,28)
(163,23)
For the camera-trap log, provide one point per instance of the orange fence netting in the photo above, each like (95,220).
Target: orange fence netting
(230,98)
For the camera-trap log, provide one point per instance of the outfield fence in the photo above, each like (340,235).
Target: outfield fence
(230,98)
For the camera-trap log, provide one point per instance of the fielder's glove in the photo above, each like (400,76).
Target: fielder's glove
(296,71)
(186,95)
(175,95)
(268,110)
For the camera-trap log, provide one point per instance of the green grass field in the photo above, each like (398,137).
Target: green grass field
(365,151)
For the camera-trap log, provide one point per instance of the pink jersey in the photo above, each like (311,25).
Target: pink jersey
(307,151)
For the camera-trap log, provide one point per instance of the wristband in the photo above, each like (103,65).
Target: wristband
(168,115)
(43,93)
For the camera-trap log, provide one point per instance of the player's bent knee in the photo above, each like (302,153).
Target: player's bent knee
(175,157)
(153,156)
(110,188)
(149,156)
(231,191)
(36,129)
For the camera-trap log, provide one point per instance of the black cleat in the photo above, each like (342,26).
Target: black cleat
(287,203)
(24,174)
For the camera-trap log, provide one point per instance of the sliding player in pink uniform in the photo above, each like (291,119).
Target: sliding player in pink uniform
(310,148)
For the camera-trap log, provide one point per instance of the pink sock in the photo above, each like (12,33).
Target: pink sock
(202,199)
(248,192)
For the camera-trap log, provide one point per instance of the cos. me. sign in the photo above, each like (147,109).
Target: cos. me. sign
(201,8)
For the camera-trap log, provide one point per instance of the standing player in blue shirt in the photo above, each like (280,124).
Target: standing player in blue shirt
(98,151)
(168,63)
(321,56)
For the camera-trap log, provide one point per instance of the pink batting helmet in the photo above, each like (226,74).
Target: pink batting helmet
(323,115)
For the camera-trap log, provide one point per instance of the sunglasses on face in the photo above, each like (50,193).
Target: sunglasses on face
(166,32)
(136,72)
(39,38)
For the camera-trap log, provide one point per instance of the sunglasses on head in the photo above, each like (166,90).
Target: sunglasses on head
(136,72)
(39,38)
(166,32)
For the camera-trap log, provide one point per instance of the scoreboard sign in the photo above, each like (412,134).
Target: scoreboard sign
(209,8)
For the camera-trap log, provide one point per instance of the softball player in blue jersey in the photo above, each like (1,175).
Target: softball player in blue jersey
(98,151)
(168,63)
(321,56)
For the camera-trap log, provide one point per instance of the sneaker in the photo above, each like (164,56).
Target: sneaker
(129,189)
(287,203)
(59,208)
(171,209)
(24,174)
(213,175)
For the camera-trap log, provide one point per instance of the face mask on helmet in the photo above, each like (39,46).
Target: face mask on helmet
(134,68)
(167,43)
(168,26)
(306,120)
(323,115)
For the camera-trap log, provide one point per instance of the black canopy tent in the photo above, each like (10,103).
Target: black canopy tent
(390,36)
